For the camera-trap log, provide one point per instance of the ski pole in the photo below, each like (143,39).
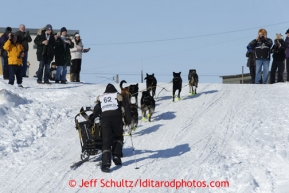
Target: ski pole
(133,152)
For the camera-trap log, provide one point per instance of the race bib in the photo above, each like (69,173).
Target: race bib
(108,102)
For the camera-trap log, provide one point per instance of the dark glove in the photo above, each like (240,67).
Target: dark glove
(281,41)
(27,34)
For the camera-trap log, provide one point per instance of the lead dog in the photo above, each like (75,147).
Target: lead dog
(193,81)
(177,85)
(147,104)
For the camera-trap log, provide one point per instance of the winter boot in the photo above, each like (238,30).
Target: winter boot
(105,169)
(72,77)
(117,160)
(77,77)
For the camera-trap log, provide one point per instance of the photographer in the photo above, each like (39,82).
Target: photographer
(24,39)
(62,55)
(278,59)
(15,54)
(262,45)
(286,46)
(45,43)
(4,54)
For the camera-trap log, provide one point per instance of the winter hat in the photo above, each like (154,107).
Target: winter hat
(110,89)
(76,34)
(48,27)
(287,32)
(263,32)
(279,36)
(63,29)
(8,29)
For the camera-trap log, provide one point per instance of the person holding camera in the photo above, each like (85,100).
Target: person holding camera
(62,55)
(4,55)
(278,59)
(285,44)
(76,57)
(25,38)
(262,45)
(112,108)
(15,52)
(45,52)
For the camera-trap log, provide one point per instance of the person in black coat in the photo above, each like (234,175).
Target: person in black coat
(278,59)
(25,38)
(251,63)
(62,55)
(4,53)
(44,41)
(112,108)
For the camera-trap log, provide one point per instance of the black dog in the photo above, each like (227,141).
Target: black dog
(133,90)
(177,85)
(193,81)
(151,83)
(147,104)
(130,91)
(134,117)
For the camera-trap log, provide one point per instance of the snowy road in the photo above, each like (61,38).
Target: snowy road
(234,135)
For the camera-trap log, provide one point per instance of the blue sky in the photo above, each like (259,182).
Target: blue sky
(156,36)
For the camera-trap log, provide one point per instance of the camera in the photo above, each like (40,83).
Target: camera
(19,56)
(12,36)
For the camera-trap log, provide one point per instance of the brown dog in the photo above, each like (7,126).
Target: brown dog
(125,91)
(130,91)
(193,81)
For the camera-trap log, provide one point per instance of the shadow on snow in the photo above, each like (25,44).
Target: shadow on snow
(148,130)
(165,153)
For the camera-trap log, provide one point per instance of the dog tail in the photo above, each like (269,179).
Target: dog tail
(120,84)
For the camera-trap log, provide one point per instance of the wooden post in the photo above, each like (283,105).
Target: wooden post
(116,78)
(141,76)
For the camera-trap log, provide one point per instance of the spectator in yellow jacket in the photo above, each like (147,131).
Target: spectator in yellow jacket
(15,54)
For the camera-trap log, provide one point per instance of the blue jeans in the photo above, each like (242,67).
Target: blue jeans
(24,63)
(15,70)
(259,64)
(43,64)
(61,70)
